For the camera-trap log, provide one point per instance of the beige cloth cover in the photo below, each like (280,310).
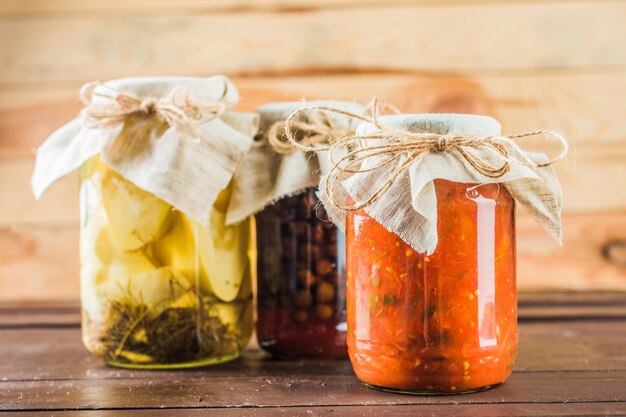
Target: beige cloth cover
(266,176)
(409,207)
(188,174)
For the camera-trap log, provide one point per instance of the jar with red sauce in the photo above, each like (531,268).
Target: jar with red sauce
(439,323)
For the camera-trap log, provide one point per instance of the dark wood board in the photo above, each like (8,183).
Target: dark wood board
(606,409)
(572,362)
(294,390)
(566,346)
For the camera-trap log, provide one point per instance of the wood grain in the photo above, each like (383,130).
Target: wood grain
(39,263)
(438,410)
(59,206)
(566,368)
(547,36)
(567,298)
(186,391)
(585,106)
(65,357)
(580,263)
(28,8)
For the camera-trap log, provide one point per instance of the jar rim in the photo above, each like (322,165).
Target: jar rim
(273,112)
(438,123)
(214,88)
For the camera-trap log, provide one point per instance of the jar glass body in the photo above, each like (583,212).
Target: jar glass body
(159,290)
(442,323)
(301,280)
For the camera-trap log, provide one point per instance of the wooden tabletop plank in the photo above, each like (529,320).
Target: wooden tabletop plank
(58,354)
(29,321)
(41,306)
(295,390)
(439,410)
(571,362)
(37,314)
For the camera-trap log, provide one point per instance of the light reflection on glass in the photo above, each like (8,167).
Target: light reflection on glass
(486,241)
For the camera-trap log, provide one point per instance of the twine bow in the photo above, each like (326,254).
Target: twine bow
(177,109)
(314,129)
(400,149)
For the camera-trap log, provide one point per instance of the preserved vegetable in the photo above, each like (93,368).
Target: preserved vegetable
(158,289)
(301,273)
(440,323)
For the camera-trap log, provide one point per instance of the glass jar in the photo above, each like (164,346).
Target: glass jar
(301,280)
(444,323)
(158,289)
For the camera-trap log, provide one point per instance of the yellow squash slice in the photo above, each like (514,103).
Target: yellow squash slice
(176,248)
(136,216)
(223,253)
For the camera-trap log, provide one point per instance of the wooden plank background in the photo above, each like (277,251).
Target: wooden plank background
(557,64)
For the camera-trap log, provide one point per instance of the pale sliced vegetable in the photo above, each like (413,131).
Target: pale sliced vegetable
(114,273)
(134,357)
(236,311)
(187,300)
(128,266)
(176,248)
(223,199)
(155,289)
(97,245)
(223,252)
(245,292)
(103,263)
(100,250)
(136,216)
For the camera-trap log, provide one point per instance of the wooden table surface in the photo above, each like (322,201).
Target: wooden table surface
(572,361)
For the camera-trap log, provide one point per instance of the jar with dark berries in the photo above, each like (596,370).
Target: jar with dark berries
(301,280)
(301,254)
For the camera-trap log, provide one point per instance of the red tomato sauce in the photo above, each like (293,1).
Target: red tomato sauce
(440,323)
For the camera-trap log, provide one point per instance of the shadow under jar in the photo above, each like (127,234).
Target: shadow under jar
(444,323)
(301,280)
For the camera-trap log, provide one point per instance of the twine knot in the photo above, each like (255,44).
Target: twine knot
(178,109)
(442,144)
(309,130)
(148,105)
(399,149)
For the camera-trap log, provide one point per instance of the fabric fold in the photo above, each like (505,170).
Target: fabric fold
(409,207)
(186,169)
(266,175)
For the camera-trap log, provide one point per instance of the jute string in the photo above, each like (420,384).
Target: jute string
(317,128)
(178,109)
(401,148)
(314,129)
